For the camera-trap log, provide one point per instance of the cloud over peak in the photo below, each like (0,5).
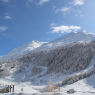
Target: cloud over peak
(64,28)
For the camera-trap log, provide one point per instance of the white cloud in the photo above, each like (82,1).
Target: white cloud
(6,1)
(3,28)
(64,28)
(43,1)
(78,2)
(63,10)
(8,17)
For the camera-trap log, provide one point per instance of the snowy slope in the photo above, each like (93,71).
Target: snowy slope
(82,87)
(85,85)
(81,36)
(23,50)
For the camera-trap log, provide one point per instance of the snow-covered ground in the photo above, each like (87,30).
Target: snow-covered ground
(82,87)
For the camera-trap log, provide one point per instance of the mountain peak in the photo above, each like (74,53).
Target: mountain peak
(80,36)
(85,32)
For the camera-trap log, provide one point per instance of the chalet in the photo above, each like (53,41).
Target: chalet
(6,89)
(12,67)
(70,91)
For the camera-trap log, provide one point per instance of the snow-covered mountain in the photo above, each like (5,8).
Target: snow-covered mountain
(72,67)
(26,77)
(24,49)
(81,36)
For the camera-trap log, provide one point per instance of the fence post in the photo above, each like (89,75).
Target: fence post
(10,88)
(13,88)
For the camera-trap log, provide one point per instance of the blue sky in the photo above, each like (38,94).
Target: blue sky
(22,21)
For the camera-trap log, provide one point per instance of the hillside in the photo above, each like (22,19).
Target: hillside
(71,58)
(22,50)
(32,82)
(67,65)
(81,36)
